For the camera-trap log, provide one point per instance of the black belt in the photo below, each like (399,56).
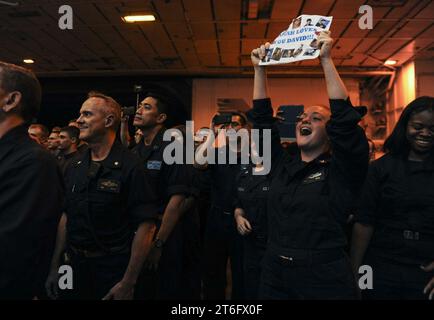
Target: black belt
(408,234)
(309,257)
(87,253)
(97,253)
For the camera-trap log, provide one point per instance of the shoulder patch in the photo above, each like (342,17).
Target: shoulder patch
(153,165)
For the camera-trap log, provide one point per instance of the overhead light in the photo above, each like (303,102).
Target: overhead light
(138,18)
(253,9)
(29,61)
(390,62)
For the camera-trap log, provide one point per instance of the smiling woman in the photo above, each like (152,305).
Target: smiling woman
(414,133)
(397,203)
(420,132)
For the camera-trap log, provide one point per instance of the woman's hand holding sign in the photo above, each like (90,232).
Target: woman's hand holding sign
(260,90)
(259,54)
(325,43)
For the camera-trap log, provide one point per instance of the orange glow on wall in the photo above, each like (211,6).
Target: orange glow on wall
(409,83)
(404,91)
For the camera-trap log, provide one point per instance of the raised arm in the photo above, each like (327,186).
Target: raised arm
(123,131)
(335,86)
(348,140)
(200,158)
(260,90)
(261,115)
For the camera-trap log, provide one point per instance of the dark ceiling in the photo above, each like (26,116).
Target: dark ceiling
(204,37)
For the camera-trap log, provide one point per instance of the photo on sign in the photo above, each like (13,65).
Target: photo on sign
(298,51)
(296,23)
(299,42)
(269,52)
(323,23)
(310,52)
(314,44)
(277,54)
(308,23)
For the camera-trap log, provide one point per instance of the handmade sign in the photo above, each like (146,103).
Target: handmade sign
(299,41)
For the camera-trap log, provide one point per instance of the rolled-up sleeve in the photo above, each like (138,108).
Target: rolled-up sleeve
(178,179)
(142,200)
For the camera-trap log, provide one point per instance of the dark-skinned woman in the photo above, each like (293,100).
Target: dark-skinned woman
(394,229)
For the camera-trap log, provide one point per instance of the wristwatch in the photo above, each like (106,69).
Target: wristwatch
(158,243)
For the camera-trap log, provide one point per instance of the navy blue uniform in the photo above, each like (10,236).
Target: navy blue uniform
(222,241)
(178,275)
(201,182)
(65,160)
(308,207)
(105,203)
(31,201)
(252,196)
(398,201)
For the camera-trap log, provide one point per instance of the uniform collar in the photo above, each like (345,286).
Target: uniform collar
(146,151)
(114,159)
(158,139)
(70,155)
(323,158)
(427,165)
(14,133)
(13,139)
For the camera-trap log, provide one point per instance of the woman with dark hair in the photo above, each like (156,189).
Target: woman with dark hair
(395,221)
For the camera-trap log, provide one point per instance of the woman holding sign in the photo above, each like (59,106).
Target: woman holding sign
(312,193)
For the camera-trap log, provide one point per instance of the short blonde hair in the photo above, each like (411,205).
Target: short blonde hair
(111,104)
